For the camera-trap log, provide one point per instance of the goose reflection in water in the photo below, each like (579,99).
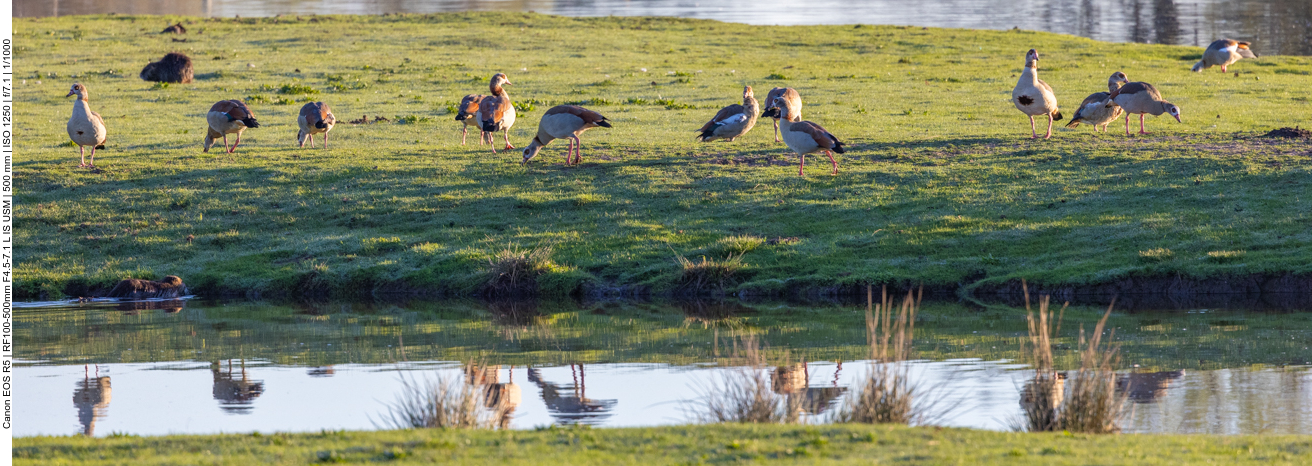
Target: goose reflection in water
(793,381)
(235,391)
(1147,387)
(321,371)
(570,404)
(91,397)
(500,398)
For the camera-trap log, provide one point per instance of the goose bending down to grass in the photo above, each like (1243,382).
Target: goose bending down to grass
(1095,109)
(1142,98)
(732,121)
(794,102)
(85,127)
(227,117)
(467,114)
(561,122)
(1033,96)
(496,112)
(805,137)
(1224,52)
(315,118)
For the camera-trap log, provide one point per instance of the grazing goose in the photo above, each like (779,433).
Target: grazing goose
(794,102)
(564,121)
(805,137)
(1033,96)
(1142,98)
(1095,109)
(85,127)
(1224,52)
(496,112)
(315,118)
(732,121)
(225,117)
(466,114)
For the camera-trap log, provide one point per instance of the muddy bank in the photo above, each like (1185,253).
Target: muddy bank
(1268,292)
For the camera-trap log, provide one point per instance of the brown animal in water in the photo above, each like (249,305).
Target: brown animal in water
(135,288)
(173,68)
(174,29)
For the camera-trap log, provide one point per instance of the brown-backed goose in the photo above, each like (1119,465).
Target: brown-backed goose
(226,117)
(564,121)
(496,112)
(732,121)
(789,95)
(1033,96)
(315,118)
(805,137)
(467,114)
(1142,98)
(1224,52)
(1095,109)
(85,127)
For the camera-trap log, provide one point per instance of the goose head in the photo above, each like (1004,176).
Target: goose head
(499,80)
(79,90)
(1172,110)
(1032,59)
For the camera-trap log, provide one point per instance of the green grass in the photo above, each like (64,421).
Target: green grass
(680,445)
(940,185)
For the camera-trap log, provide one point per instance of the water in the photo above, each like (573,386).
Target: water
(206,367)
(1277,27)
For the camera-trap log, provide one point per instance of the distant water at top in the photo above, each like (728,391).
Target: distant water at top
(1275,27)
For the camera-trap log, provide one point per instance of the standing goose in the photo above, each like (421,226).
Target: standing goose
(496,112)
(1095,109)
(1033,96)
(564,121)
(1224,52)
(805,137)
(466,114)
(226,117)
(85,127)
(1142,98)
(732,121)
(315,118)
(794,102)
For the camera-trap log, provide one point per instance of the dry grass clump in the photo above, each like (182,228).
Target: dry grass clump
(737,245)
(709,273)
(1156,255)
(1225,256)
(440,403)
(514,271)
(745,394)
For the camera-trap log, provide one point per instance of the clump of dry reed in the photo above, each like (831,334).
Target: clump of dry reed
(708,274)
(514,271)
(1091,404)
(441,403)
(744,394)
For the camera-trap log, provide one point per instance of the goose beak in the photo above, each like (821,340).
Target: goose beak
(1177,118)
(71,93)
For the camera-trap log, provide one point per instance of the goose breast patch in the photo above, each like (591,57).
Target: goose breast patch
(1025,100)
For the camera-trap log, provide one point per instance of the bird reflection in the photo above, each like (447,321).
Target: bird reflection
(500,398)
(1147,387)
(235,391)
(91,397)
(793,381)
(569,404)
(321,371)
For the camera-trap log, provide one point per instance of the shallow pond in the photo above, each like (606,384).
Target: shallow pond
(204,367)
(1276,27)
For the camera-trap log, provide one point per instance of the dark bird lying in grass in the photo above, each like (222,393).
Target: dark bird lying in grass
(173,68)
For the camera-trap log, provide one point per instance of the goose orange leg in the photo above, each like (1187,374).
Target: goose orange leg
(1127,124)
(1049,135)
(1141,131)
(801,163)
(325,141)
(776,130)
(238,141)
(831,160)
(1033,132)
(465,135)
(505,133)
(83,151)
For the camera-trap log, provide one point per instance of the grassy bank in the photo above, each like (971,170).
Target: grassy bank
(940,185)
(715,444)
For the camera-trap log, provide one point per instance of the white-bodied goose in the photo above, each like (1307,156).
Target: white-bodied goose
(1033,96)
(467,114)
(227,117)
(732,121)
(315,118)
(789,95)
(564,122)
(85,127)
(1095,110)
(1224,52)
(496,112)
(1142,98)
(805,137)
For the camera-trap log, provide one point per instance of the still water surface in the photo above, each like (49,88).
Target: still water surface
(204,367)
(1274,26)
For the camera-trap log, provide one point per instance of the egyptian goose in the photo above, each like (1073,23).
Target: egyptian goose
(1142,98)
(225,117)
(1224,52)
(732,121)
(794,102)
(564,121)
(805,137)
(85,127)
(1033,96)
(466,114)
(496,112)
(315,118)
(1095,109)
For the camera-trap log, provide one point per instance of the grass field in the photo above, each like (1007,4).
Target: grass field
(683,445)
(941,183)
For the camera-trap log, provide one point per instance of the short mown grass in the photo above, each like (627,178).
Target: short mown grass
(940,185)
